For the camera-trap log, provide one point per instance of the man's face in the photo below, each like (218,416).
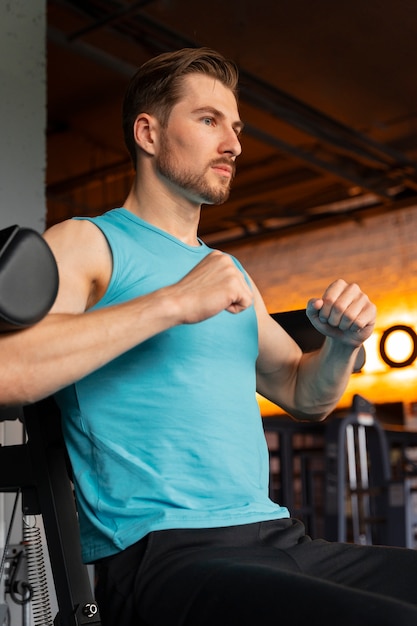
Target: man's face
(198,148)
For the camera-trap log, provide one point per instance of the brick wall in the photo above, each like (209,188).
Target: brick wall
(378,252)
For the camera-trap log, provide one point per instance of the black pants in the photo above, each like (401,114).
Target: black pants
(262,574)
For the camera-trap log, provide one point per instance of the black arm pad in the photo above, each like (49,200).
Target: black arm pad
(28,278)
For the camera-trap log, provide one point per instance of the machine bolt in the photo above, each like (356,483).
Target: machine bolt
(90,609)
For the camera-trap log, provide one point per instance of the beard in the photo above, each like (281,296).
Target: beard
(196,184)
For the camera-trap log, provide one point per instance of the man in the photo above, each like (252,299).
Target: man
(155,348)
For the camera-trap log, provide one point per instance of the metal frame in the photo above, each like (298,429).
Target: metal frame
(39,469)
(358,479)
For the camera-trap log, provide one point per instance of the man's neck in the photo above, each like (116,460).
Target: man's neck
(178,218)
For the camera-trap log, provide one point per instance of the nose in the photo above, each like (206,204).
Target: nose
(231,143)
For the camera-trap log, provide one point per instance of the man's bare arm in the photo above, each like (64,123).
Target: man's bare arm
(308,386)
(73,341)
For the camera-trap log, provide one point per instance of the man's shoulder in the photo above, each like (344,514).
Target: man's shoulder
(83,255)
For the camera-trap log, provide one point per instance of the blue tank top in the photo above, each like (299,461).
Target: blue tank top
(169,434)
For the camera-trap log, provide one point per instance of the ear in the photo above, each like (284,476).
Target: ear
(145,132)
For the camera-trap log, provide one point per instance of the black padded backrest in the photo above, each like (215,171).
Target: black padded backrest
(28,278)
(299,327)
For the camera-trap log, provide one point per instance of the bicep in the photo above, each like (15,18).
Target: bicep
(84,264)
(279,356)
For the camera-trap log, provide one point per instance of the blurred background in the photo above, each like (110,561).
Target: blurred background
(327,182)
(326,187)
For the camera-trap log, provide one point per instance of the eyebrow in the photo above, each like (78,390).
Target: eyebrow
(237,126)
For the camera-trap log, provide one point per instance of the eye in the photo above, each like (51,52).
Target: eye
(208,121)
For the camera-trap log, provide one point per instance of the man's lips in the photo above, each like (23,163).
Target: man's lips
(224,169)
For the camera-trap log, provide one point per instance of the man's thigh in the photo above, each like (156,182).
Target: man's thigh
(253,590)
(259,575)
(384,570)
(257,583)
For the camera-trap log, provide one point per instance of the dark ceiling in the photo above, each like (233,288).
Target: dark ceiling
(328,95)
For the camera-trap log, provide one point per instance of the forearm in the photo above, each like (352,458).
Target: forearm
(63,348)
(322,378)
(309,386)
